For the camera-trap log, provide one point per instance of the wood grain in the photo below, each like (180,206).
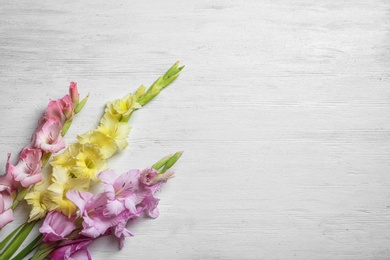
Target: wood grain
(282,111)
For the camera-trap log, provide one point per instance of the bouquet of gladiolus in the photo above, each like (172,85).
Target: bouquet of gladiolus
(70,216)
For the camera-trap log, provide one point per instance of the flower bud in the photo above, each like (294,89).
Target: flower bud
(172,161)
(74,93)
(80,105)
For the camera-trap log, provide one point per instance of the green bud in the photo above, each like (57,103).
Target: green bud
(140,92)
(161,83)
(80,105)
(162,162)
(171,161)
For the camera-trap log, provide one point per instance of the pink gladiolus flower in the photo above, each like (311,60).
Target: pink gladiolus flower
(74,93)
(6,213)
(49,138)
(8,185)
(7,180)
(28,170)
(72,250)
(56,226)
(62,109)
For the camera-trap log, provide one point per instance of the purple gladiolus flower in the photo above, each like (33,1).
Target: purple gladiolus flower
(56,226)
(72,250)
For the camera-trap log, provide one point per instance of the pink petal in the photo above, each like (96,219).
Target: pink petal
(80,199)
(49,138)
(6,217)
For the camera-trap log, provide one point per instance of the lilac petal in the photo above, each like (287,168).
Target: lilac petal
(107,177)
(80,199)
(70,250)
(82,254)
(56,226)
(113,208)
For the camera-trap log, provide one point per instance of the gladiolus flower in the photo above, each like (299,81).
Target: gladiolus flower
(89,161)
(49,138)
(110,126)
(28,170)
(35,198)
(61,109)
(67,159)
(7,180)
(72,250)
(122,108)
(106,144)
(90,208)
(56,226)
(127,192)
(56,192)
(6,213)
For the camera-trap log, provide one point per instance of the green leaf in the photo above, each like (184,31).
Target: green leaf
(17,241)
(35,243)
(9,237)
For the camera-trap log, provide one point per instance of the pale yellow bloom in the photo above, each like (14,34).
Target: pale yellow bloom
(55,198)
(107,144)
(110,126)
(68,158)
(89,162)
(35,199)
(122,108)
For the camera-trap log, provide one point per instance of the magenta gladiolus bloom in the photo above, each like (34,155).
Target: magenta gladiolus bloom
(72,250)
(28,170)
(49,138)
(56,226)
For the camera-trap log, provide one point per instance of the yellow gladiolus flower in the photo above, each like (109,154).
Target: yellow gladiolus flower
(107,144)
(35,198)
(122,108)
(89,162)
(68,158)
(110,126)
(55,198)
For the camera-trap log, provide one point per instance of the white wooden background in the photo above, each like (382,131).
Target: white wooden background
(282,111)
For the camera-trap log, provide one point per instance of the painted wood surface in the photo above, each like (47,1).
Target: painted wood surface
(282,111)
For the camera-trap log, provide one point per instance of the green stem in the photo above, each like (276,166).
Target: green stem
(43,251)
(9,237)
(34,244)
(17,241)
(19,197)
